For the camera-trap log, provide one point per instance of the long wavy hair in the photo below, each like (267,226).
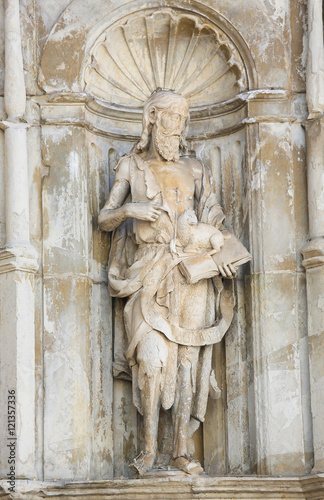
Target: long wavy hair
(159,100)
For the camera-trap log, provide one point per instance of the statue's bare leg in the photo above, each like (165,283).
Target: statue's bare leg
(151,356)
(181,411)
(182,408)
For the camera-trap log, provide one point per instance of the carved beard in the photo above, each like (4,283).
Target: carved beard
(167,145)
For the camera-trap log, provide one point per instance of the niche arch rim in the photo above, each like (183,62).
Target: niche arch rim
(163,48)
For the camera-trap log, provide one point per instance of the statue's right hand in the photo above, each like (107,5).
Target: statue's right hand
(143,211)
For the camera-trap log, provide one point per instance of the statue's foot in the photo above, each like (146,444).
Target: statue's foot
(143,462)
(188,464)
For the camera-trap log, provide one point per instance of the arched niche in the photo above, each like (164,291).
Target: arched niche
(79,27)
(164,48)
(99,91)
(200,54)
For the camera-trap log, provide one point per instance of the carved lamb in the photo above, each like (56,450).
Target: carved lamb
(194,235)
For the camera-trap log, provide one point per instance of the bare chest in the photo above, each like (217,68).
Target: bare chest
(177,184)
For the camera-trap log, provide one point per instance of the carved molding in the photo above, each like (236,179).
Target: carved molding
(24,259)
(313,253)
(124,122)
(164,48)
(251,487)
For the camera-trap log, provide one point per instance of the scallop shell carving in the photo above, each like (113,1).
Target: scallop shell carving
(164,49)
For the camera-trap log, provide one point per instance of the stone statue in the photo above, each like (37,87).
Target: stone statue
(167,234)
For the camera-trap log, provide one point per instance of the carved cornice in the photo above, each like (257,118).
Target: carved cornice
(18,259)
(314,122)
(313,253)
(124,122)
(5,124)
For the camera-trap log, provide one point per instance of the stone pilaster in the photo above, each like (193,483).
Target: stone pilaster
(18,263)
(313,251)
(278,389)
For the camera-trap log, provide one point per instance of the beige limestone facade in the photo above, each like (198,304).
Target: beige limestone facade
(73,79)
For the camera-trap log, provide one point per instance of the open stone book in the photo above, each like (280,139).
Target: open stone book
(197,267)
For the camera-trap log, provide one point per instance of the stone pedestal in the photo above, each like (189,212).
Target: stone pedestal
(180,488)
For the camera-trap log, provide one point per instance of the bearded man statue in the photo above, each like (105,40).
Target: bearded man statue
(171,321)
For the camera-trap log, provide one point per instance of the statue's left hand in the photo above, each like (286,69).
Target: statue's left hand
(228,271)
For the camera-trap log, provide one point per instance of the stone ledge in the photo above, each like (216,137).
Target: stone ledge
(178,488)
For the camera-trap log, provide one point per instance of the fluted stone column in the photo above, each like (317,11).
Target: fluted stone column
(18,263)
(313,252)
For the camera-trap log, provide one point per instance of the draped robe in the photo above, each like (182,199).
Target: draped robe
(142,268)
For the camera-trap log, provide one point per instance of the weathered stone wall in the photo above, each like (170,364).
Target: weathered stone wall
(85,425)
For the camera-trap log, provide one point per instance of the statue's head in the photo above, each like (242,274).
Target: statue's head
(166,114)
